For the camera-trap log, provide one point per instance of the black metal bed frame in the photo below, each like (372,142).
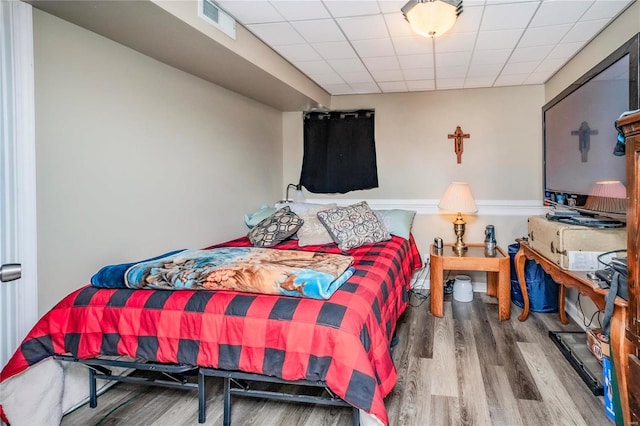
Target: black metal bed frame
(235,383)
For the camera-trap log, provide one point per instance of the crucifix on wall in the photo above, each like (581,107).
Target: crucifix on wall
(584,139)
(458,138)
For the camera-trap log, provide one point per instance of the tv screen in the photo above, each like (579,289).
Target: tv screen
(579,129)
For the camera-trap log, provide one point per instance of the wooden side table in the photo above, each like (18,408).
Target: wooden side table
(474,259)
(620,346)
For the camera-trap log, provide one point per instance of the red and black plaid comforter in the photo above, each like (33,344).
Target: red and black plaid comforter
(343,341)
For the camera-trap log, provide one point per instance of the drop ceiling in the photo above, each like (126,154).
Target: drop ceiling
(366,46)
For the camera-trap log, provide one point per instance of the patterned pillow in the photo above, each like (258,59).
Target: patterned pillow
(275,229)
(313,231)
(353,226)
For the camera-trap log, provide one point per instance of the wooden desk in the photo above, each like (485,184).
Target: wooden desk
(473,259)
(620,346)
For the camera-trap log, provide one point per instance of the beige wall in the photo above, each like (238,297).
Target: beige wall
(620,30)
(135,158)
(416,161)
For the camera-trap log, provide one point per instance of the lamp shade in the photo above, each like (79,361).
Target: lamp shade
(607,196)
(458,198)
(430,18)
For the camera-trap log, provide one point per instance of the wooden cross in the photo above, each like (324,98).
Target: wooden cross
(584,139)
(458,136)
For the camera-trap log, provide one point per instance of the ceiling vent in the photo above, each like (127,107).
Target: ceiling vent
(211,12)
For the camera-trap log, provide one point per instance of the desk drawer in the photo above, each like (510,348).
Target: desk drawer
(554,240)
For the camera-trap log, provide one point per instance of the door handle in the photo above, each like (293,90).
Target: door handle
(10,272)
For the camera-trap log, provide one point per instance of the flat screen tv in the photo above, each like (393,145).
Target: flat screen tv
(579,129)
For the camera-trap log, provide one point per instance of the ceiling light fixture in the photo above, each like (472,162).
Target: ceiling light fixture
(432,18)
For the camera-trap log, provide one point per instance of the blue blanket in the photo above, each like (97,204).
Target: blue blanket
(250,269)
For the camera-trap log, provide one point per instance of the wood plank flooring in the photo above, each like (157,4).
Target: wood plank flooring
(466,368)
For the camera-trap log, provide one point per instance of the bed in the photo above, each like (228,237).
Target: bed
(343,341)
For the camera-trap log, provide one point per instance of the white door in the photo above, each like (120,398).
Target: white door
(18,297)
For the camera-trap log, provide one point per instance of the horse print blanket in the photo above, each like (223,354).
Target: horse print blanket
(249,269)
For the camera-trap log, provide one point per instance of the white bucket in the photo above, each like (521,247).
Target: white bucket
(462,289)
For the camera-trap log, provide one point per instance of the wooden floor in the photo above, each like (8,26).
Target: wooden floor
(466,368)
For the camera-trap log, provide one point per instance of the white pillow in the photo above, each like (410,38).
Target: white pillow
(313,232)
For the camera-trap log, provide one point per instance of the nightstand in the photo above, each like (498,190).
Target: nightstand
(474,259)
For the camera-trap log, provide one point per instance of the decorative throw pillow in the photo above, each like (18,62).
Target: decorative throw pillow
(353,226)
(397,221)
(275,229)
(313,231)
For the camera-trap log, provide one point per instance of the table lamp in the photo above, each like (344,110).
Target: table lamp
(607,196)
(458,198)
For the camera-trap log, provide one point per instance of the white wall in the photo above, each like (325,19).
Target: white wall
(135,158)
(416,161)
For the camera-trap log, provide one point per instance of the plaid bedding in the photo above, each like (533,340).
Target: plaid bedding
(343,341)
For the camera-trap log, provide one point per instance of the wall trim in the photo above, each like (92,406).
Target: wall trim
(430,206)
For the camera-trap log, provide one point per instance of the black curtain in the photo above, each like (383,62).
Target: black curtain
(339,152)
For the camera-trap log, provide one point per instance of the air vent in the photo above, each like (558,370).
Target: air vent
(211,12)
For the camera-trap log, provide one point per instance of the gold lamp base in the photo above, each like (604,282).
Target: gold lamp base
(459,247)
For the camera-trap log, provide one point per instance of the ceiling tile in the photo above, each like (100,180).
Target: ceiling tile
(390,6)
(485,57)
(382,63)
(327,78)
(353,46)
(418,73)
(397,25)
(338,89)
(544,36)
(565,50)
(277,34)
(375,47)
(456,42)
(357,77)
(393,86)
(364,27)
(449,83)
(386,75)
(584,31)
(508,16)
(450,72)
(298,52)
(416,61)
(559,12)
(491,40)
(365,88)
(300,10)
(453,59)
(471,82)
(421,85)
(604,9)
(339,9)
(550,65)
(519,68)
(469,19)
(485,71)
(511,80)
(347,65)
(319,31)
(335,50)
(251,12)
(525,54)
(313,67)
(413,45)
